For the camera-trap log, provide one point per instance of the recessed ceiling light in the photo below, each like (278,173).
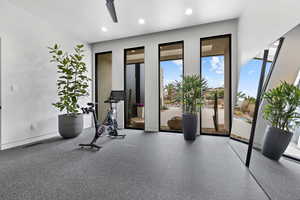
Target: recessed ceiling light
(188,11)
(141,21)
(104,29)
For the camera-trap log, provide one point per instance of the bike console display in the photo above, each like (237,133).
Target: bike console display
(117,95)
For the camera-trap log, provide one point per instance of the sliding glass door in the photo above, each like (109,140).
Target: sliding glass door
(134,77)
(216,70)
(170,75)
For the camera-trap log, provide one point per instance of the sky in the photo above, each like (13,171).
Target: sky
(249,77)
(213,72)
(172,70)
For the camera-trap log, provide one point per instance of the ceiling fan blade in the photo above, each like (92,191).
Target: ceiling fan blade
(112,11)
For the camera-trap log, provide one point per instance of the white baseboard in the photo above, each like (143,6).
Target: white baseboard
(27,141)
(151,129)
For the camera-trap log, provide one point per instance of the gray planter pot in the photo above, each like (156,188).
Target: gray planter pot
(276,142)
(189,126)
(70,125)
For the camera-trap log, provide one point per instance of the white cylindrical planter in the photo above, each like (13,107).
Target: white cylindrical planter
(140,112)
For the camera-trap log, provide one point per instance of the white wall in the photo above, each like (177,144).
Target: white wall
(28,80)
(191,37)
(263,22)
(286,69)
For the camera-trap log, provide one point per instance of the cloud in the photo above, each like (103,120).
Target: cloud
(219,71)
(177,62)
(217,65)
(221,83)
(206,77)
(251,72)
(167,81)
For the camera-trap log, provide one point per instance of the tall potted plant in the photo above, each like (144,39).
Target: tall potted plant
(281,112)
(192,99)
(72,84)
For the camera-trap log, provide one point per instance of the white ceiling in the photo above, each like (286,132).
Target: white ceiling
(84,18)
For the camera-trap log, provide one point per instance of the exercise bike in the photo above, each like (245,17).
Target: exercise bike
(110,124)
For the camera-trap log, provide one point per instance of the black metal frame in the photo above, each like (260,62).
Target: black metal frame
(159,45)
(257,103)
(137,82)
(229,36)
(96,77)
(125,110)
(291,158)
(267,80)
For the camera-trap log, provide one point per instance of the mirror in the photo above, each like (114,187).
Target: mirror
(280,179)
(254,76)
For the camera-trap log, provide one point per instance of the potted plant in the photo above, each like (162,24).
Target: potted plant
(72,84)
(281,112)
(192,99)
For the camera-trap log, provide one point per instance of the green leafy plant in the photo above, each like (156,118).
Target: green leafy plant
(241,95)
(191,93)
(281,107)
(72,82)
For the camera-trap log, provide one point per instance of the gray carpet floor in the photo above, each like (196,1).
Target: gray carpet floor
(281,180)
(156,166)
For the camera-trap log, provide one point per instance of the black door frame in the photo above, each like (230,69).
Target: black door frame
(159,45)
(229,36)
(96,78)
(257,103)
(124,70)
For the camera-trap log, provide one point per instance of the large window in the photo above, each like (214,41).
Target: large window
(216,69)
(134,88)
(170,75)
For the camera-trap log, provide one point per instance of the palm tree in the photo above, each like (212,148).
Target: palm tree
(249,100)
(241,95)
(170,88)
